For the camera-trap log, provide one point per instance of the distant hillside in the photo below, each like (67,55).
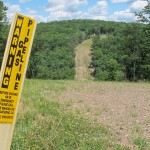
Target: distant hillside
(53,52)
(123,55)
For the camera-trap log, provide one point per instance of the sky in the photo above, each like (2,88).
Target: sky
(52,10)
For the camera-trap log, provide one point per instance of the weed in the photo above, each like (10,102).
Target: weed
(142,143)
(43,123)
(134,114)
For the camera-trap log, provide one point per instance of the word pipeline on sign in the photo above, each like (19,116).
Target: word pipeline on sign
(16,55)
(15,67)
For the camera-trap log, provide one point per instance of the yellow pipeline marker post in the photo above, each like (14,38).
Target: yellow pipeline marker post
(12,74)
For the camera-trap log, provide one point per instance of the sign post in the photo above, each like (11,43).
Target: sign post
(12,74)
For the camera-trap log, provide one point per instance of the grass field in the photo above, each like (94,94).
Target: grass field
(83,115)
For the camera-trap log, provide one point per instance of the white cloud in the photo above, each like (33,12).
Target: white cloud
(97,12)
(59,15)
(64,5)
(24,1)
(66,2)
(31,11)
(62,9)
(66,9)
(39,18)
(128,15)
(12,9)
(120,1)
(100,8)
(125,16)
(138,5)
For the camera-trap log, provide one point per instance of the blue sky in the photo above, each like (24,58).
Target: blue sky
(50,10)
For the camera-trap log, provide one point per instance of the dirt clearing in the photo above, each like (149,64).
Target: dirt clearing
(124,107)
(83,60)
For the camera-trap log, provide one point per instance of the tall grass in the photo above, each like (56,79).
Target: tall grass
(44,124)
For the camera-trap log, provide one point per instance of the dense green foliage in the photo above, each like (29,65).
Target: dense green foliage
(125,54)
(3,30)
(53,49)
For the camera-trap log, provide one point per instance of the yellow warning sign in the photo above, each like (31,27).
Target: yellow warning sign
(14,66)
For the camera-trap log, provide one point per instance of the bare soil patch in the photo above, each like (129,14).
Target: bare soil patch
(124,107)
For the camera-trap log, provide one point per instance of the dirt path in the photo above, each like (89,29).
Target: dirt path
(83,59)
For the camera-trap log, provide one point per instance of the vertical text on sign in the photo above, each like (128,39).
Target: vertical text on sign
(16,60)
(16,53)
(12,52)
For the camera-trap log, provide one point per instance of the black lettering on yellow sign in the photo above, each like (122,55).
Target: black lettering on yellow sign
(12,52)
(15,64)
(7,107)
(16,56)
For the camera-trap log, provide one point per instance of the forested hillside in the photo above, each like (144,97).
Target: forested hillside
(53,52)
(124,53)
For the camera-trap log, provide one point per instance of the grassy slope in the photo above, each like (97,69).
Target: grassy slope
(44,122)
